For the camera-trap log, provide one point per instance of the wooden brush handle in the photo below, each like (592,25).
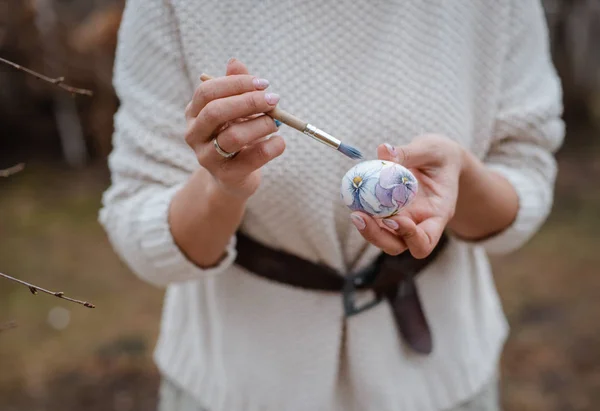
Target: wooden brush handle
(276,113)
(287,118)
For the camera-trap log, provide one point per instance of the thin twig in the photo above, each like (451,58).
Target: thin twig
(8,326)
(12,170)
(59,81)
(34,290)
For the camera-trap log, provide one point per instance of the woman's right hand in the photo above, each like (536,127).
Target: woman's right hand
(231,109)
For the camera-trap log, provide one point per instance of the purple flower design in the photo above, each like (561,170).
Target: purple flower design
(358,188)
(396,188)
(378,188)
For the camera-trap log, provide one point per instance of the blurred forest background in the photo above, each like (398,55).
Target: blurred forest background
(66,357)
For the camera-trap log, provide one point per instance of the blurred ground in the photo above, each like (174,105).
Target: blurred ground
(101,360)
(50,237)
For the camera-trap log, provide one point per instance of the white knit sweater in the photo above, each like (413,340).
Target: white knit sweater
(369,72)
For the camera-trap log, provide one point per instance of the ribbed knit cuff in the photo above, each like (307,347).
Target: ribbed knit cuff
(532,212)
(168,262)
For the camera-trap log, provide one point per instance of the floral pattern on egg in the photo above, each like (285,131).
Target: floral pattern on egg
(379,188)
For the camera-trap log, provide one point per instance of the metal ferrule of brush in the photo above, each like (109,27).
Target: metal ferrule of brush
(322,136)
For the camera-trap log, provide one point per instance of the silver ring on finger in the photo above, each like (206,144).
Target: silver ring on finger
(221,151)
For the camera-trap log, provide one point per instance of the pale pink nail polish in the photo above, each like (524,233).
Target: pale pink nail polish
(260,83)
(391,224)
(358,221)
(272,98)
(391,149)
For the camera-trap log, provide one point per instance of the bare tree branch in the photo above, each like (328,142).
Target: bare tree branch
(8,326)
(12,170)
(34,290)
(59,81)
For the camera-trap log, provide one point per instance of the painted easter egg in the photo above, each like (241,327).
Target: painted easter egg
(379,188)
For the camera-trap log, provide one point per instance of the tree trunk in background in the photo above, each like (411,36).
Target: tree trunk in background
(575,34)
(65,109)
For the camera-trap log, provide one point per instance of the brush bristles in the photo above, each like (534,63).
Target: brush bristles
(350,151)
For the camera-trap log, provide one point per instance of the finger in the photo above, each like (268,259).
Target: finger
(387,152)
(222,87)
(416,154)
(376,235)
(223,110)
(234,66)
(236,137)
(251,159)
(420,239)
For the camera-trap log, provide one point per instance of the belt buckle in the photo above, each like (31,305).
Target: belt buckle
(351,283)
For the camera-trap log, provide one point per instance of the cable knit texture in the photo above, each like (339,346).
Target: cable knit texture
(367,72)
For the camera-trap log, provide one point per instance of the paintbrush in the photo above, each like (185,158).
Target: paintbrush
(308,129)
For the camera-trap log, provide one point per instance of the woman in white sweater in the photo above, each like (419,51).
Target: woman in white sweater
(462,93)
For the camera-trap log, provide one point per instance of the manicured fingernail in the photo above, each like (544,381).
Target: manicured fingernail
(390,223)
(358,221)
(272,98)
(260,83)
(277,123)
(391,149)
(231,60)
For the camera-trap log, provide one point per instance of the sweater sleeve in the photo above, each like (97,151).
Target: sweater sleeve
(150,161)
(528,127)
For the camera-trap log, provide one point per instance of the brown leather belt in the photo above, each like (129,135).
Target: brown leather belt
(390,277)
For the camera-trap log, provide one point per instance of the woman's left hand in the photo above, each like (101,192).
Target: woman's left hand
(437,162)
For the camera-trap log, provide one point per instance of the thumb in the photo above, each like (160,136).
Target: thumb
(412,155)
(234,66)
